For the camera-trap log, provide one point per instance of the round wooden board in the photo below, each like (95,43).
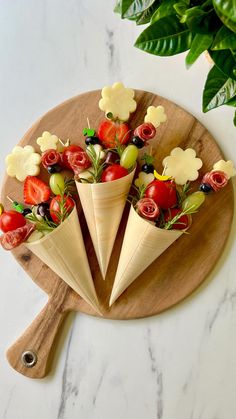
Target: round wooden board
(184,265)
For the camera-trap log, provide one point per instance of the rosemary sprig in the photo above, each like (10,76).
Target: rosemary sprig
(183,193)
(43,224)
(148,159)
(97,164)
(169,224)
(139,194)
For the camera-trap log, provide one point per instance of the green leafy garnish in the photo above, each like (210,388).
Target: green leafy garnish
(97,165)
(148,159)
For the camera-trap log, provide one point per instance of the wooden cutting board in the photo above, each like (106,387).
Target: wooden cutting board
(171,278)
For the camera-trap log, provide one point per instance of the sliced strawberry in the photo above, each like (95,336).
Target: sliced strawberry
(35,191)
(111,134)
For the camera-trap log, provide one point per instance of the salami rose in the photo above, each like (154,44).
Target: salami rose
(146,131)
(50,158)
(79,161)
(216,179)
(147,208)
(14,238)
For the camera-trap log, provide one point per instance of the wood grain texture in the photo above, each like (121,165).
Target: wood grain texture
(170,278)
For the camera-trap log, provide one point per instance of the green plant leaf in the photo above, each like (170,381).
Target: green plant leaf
(165,9)
(131,8)
(232,102)
(224,39)
(146,16)
(181,7)
(201,43)
(218,90)
(224,60)
(226,10)
(165,37)
(201,21)
(117,8)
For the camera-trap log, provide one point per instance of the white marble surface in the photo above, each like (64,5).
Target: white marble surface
(178,365)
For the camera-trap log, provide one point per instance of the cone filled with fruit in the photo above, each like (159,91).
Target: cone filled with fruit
(159,216)
(48,222)
(63,251)
(103,205)
(104,187)
(143,243)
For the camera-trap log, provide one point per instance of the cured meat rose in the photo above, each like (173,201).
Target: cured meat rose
(79,161)
(50,157)
(146,131)
(147,208)
(216,179)
(14,238)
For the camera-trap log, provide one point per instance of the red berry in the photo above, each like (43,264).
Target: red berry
(56,208)
(113,172)
(11,220)
(67,153)
(163,193)
(181,223)
(110,133)
(35,191)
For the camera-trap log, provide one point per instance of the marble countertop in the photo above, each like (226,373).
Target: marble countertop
(178,365)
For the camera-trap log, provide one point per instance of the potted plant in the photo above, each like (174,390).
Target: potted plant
(194,25)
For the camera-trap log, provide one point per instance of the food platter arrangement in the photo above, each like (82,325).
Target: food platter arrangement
(110,204)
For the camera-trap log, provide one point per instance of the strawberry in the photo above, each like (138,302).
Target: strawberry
(35,191)
(110,133)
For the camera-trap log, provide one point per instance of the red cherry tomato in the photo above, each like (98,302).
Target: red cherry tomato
(11,220)
(113,172)
(67,152)
(55,208)
(181,223)
(163,193)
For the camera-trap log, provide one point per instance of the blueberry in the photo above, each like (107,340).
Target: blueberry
(147,168)
(55,168)
(138,142)
(92,140)
(205,187)
(26,211)
(43,210)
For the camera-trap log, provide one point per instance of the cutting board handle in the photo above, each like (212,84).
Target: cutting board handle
(30,353)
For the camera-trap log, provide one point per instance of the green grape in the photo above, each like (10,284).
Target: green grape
(193,201)
(129,156)
(57,183)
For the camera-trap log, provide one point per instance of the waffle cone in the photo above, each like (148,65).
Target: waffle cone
(103,205)
(64,252)
(143,243)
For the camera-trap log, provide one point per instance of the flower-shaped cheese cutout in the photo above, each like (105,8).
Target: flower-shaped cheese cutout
(144,179)
(155,115)
(118,100)
(225,166)
(47,141)
(23,162)
(182,165)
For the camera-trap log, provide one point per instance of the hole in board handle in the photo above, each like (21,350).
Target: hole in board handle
(29,359)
